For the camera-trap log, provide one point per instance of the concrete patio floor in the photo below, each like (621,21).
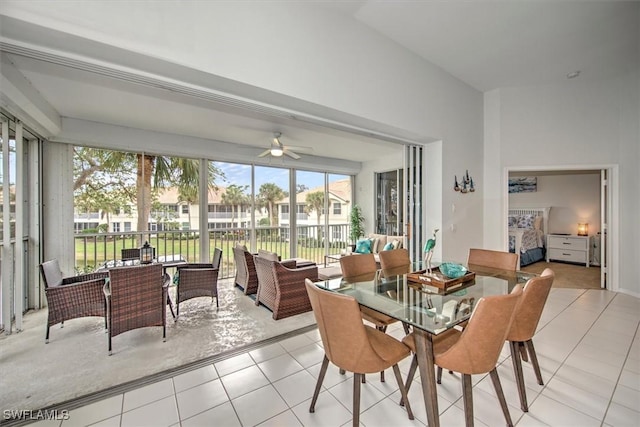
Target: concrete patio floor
(76,363)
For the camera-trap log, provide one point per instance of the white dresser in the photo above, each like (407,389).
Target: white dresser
(568,248)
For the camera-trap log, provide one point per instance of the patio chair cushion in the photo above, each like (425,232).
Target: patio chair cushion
(271,256)
(52,273)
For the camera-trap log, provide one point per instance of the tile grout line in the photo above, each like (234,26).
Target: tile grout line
(635,335)
(569,355)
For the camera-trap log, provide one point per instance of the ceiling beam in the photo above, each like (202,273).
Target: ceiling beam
(19,97)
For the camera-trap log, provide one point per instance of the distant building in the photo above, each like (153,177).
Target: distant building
(339,208)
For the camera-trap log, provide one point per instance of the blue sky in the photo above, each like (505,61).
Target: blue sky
(240,174)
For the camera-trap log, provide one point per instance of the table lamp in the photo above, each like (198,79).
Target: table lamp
(583,229)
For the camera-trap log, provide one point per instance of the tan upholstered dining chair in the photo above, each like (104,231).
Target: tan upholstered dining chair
(344,336)
(394,258)
(523,328)
(363,267)
(476,349)
(493,259)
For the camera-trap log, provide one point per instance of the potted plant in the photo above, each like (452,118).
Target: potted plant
(356,221)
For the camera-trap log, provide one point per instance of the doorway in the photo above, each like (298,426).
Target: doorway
(577,198)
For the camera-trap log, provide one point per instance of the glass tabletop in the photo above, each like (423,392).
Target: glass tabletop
(397,295)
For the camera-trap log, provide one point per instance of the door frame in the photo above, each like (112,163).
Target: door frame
(609,240)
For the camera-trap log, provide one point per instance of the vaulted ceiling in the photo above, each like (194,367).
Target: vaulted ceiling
(486,44)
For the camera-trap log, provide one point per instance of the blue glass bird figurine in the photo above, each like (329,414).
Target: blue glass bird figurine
(428,250)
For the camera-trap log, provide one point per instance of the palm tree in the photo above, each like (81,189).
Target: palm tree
(315,203)
(235,195)
(151,172)
(268,195)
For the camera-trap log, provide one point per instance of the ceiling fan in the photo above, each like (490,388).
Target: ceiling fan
(278,149)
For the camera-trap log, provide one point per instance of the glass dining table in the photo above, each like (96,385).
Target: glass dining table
(429,310)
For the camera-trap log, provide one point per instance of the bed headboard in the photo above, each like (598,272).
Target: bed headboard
(543,212)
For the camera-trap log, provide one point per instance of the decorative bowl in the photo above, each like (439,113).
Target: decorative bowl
(453,270)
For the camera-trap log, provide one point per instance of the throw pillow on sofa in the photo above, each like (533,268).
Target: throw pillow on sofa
(363,246)
(388,246)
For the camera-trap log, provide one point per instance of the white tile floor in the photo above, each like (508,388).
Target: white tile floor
(587,343)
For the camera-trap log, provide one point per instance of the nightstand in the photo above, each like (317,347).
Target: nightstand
(568,248)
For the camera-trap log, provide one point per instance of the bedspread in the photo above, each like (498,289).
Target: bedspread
(530,239)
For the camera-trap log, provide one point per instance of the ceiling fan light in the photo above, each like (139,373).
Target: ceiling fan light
(276,150)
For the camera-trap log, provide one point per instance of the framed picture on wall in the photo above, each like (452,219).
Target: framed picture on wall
(523,184)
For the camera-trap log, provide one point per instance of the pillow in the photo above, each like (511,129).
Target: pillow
(379,240)
(525,221)
(374,245)
(363,246)
(388,246)
(512,221)
(537,223)
(396,240)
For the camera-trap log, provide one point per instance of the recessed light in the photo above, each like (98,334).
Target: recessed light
(573,74)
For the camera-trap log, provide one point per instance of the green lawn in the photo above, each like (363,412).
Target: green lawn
(91,253)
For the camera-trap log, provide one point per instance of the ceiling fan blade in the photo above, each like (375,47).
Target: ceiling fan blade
(265,153)
(300,149)
(291,154)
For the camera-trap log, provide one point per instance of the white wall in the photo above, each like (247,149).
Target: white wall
(572,198)
(305,53)
(582,123)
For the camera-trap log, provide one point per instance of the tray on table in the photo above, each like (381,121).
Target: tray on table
(436,281)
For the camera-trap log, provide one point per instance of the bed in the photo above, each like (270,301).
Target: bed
(527,233)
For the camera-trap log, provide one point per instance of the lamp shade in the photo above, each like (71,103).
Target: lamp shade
(583,229)
(146,254)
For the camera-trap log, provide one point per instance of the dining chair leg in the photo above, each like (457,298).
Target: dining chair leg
(439,375)
(316,392)
(523,351)
(356,400)
(503,403)
(534,361)
(381,329)
(46,338)
(342,371)
(410,375)
(517,371)
(403,390)
(467,399)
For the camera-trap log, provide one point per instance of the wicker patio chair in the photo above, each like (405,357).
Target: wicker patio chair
(282,289)
(72,297)
(196,280)
(246,276)
(130,254)
(136,297)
